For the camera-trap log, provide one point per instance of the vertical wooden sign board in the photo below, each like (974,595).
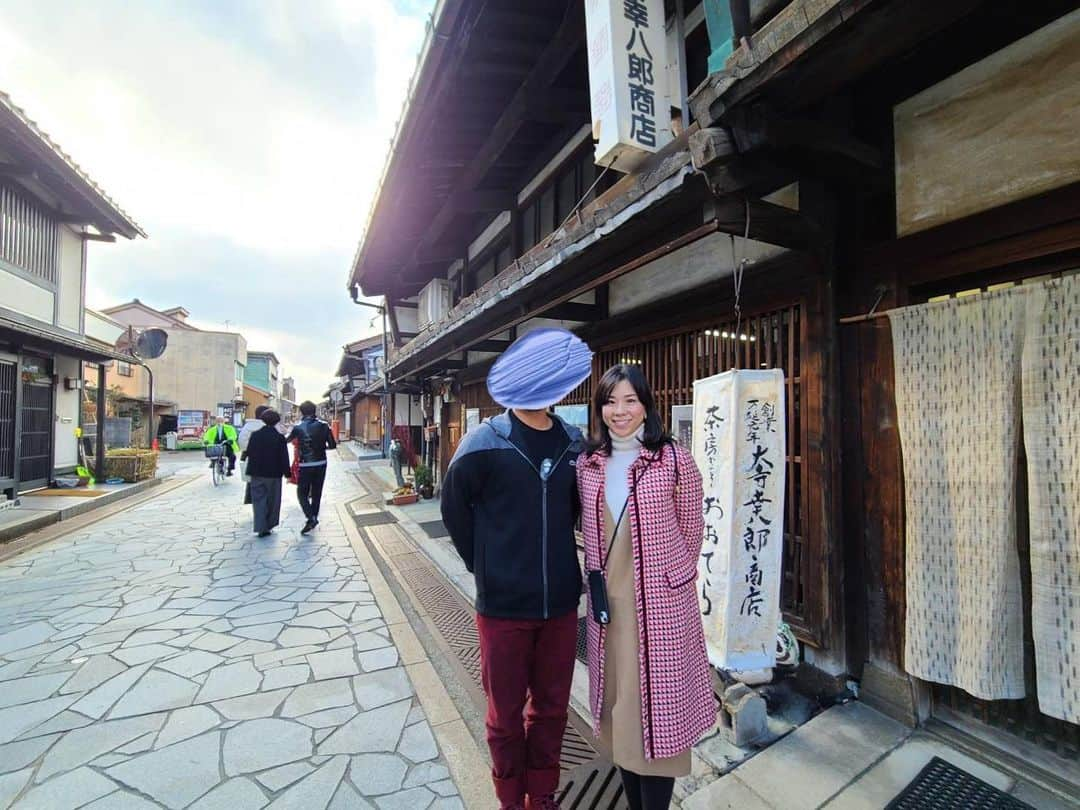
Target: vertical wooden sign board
(739,445)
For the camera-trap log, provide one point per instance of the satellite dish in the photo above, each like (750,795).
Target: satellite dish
(151,343)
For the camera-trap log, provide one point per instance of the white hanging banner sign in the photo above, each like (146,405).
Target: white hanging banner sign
(628,84)
(739,446)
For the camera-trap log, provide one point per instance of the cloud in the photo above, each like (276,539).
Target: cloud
(246,137)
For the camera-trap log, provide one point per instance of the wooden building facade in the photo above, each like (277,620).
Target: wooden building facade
(804,187)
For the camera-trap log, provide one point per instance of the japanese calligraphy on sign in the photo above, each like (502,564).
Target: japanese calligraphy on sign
(628,82)
(739,445)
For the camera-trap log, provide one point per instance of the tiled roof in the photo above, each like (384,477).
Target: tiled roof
(91,187)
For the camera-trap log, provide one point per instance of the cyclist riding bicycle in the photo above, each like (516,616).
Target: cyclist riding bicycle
(223,433)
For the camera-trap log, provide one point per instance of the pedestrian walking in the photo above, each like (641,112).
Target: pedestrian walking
(314,438)
(250,426)
(221,432)
(246,429)
(641,496)
(509,502)
(267,458)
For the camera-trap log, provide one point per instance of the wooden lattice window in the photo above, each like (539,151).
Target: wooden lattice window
(29,237)
(772,339)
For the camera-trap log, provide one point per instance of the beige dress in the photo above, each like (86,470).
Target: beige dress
(621,733)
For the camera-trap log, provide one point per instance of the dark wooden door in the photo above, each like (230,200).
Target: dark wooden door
(35,424)
(9,375)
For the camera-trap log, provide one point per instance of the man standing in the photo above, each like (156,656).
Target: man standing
(314,438)
(509,500)
(220,433)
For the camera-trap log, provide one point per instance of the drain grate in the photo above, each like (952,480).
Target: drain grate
(592,786)
(943,786)
(582,640)
(374,518)
(434,528)
(454,619)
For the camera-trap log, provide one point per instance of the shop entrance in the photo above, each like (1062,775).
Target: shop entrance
(1021,719)
(9,374)
(35,423)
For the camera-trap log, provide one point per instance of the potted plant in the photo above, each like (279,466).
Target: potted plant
(425,481)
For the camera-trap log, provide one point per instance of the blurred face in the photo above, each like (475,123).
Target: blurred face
(221,420)
(623,412)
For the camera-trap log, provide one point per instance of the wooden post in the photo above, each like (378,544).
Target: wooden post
(99,450)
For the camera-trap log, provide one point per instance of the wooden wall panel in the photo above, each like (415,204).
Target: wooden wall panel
(999,131)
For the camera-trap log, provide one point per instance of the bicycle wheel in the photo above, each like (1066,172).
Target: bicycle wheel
(215,472)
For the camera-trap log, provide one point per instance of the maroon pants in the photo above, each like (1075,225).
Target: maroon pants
(526,661)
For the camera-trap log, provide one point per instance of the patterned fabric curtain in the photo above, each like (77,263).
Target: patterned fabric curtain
(957,397)
(1051,397)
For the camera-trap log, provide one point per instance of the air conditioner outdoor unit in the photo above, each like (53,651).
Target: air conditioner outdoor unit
(435,301)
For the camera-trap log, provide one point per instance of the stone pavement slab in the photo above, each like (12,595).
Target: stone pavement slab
(155,659)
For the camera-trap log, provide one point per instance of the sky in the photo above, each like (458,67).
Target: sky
(246,137)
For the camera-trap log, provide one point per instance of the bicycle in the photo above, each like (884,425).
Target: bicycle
(217,455)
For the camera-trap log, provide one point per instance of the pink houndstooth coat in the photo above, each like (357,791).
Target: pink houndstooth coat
(666,523)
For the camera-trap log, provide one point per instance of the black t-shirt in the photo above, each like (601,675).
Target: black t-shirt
(539,444)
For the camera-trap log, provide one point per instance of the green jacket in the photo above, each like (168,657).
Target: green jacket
(210,437)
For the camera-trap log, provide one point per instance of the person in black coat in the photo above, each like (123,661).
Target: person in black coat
(267,457)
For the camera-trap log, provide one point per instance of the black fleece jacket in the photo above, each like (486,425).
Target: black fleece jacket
(514,532)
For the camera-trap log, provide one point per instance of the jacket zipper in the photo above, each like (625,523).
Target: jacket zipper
(543,518)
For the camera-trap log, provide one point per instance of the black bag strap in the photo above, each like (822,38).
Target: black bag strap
(615,532)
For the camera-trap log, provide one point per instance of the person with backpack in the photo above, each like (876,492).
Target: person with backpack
(314,438)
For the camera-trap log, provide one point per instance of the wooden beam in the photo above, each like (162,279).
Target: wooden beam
(711,145)
(438,254)
(558,53)
(15,170)
(490,346)
(757,127)
(449,365)
(574,312)
(478,202)
(98,237)
(69,218)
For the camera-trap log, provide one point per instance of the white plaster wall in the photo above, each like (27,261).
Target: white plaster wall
(101,328)
(401,410)
(70,289)
(26,298)
(197,370)
(67,414)
(700,262)
(407,319)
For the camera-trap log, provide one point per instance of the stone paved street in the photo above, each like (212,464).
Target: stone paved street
(166,657)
